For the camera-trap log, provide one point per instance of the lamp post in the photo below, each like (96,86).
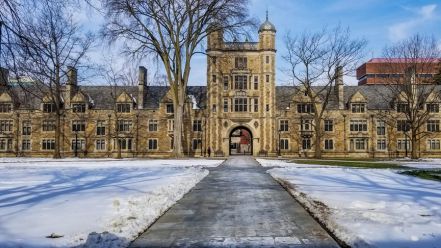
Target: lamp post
(76,142)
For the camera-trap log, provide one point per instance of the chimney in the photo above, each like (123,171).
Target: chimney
(71,85)
(4,74)
(142,85)
(339,87)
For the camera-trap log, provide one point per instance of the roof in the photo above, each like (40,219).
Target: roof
(267,25)
(404,60)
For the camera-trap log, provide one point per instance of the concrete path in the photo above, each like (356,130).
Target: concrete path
(237,205)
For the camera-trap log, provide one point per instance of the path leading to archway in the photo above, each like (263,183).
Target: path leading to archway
(237,205)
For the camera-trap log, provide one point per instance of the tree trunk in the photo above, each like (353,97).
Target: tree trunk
(177,134)
(57,153)
(318,139)
(414,146)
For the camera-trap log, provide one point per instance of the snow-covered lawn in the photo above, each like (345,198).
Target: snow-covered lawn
(75,198)
(423,164)
(368,207)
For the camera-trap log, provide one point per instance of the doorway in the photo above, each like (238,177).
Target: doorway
(241,141)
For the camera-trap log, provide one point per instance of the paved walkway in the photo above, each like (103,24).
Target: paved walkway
(237,205)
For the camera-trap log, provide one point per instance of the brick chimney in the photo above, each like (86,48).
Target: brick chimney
(339,87)
(4,74)
(142,85)
(71,85)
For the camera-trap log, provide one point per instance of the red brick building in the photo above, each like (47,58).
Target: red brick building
(386,70)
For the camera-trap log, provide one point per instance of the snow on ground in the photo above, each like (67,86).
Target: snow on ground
(423,163)
(286,163)
(369,207)
(115,199)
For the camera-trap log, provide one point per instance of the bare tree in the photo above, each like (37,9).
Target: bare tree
(319,59)
(407,66)
(50,43)
(172,30)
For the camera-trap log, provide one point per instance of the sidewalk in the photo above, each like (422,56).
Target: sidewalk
(237,205)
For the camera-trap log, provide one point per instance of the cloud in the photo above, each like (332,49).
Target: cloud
(421,16)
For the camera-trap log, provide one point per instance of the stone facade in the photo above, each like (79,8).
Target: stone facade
(241,93)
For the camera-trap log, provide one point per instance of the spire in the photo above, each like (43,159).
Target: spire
(267,15)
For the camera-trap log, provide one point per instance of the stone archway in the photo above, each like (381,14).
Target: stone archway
(241,141)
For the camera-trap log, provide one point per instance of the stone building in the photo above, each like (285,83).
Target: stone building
(240,111)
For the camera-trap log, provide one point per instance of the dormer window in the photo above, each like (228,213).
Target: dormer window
(241,63)
(402,107)
(432,107)
(48,107)
(123,107)
(305,108)
(5,107)
(170,109)
(79,107)
(358,107)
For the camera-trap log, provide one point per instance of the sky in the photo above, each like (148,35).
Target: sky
(380,22)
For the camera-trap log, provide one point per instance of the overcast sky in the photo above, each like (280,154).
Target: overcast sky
(381,22)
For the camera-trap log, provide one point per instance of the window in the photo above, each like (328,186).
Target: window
(267,108)
(306,144)
(329,144)
(225,105)
(403,144)
(241,104)
(125,144)
(78,145)
(48,126)
(241,63)
(153,125)
(48,144)
(433,144)
(306,125)
(5,144)
(226,83)
(153,144)
(26,128)
(6,126)
(283,125)
(381,128)
(79,107)
(124,125)
(256,82)
(78,126)
(305,108)
(5,107)
(26,145)
(100,145)
(433,126)
(256,105)
(170,108)
(284,144)
(403,125)
(196,144)
(172,143)
(267,78)
(48,107)
(240,82)
(358,107)
(197,126)
(329,125)
(100,128)
(432,107)
(123,107)
(170,125)
(358,144)
(402,107)
(213,108)
(267,59)
(213,78)
(358,125)
(381,144)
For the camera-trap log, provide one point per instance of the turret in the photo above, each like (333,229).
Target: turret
(4,74)
(215,37)
(267,35)
(72,84)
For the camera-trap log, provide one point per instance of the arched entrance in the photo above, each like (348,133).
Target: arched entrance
(241,141)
